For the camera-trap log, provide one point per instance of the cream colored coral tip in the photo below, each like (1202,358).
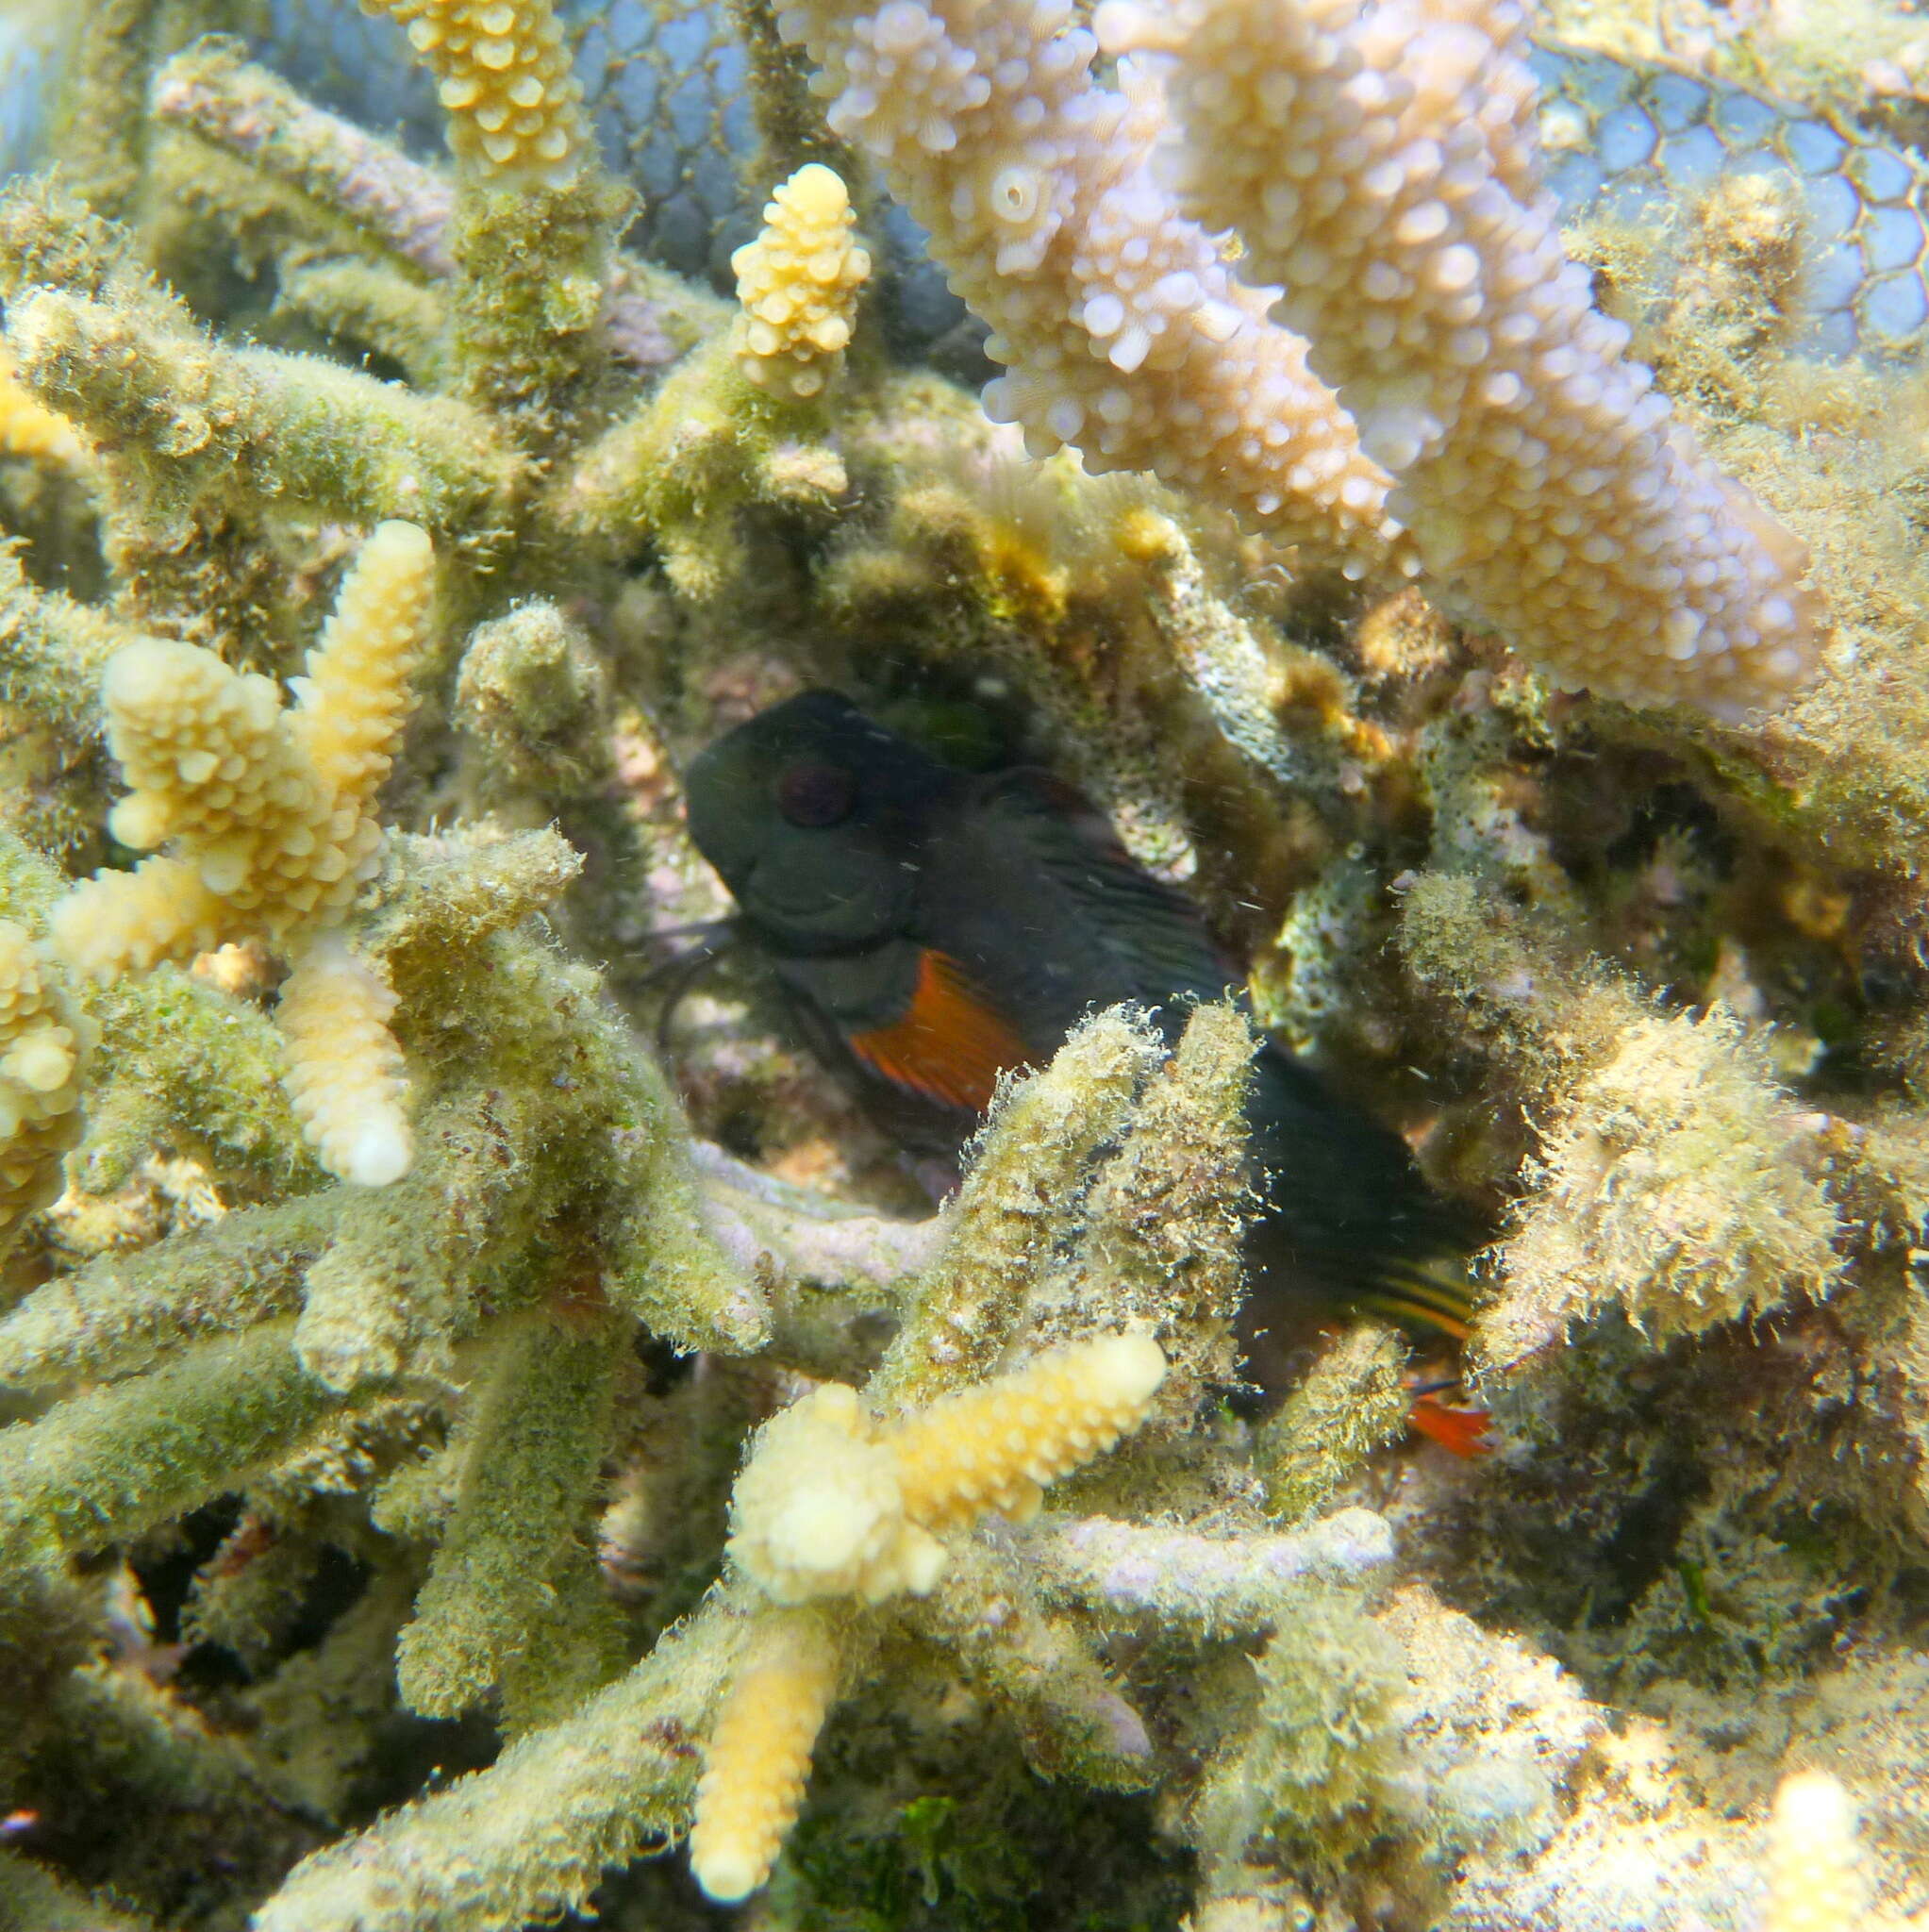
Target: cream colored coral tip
(818,190)
(380,1154)
(1126,1368)
(43,1060)
(1815,1804)
(400,540)
(821,1531)
(144,673)
(727,1872)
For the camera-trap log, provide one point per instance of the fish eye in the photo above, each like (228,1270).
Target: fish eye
(815,796)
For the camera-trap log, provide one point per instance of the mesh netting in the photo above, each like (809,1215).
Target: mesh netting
(666,82)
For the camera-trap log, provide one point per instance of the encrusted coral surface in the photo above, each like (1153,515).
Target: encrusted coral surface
(491,1429)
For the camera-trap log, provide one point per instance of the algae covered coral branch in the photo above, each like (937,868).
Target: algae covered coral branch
(564,1459)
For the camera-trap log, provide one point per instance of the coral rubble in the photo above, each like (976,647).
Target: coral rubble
(491,1430)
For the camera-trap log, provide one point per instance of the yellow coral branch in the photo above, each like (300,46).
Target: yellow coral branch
(355,697)
(833,1504)
(759,1753)
(995,1447)
(344,1069)
(127,922)
(798,285)
(503,74)
(266,810)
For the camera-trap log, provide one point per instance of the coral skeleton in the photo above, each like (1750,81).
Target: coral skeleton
(797,285)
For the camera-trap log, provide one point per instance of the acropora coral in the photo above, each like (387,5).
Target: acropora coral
(491,1431)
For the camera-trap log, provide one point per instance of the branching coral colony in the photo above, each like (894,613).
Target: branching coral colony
(437,1477)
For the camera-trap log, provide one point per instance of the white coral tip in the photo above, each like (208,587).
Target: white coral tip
(382,1152)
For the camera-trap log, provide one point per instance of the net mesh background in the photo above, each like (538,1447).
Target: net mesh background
(667,85)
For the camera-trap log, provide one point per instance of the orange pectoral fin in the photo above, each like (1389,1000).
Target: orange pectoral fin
(949,1046)
(1462,1431)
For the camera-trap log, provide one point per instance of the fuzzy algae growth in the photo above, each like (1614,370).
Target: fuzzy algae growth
(439,1479)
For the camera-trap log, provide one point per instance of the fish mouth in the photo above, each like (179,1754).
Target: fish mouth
(814,911)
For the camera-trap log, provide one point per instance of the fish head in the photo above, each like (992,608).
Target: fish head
(814,816)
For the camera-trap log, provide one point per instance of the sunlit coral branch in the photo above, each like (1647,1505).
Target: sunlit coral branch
(1124,332)
(1815,1866)
(502,77)
(1386,152)
(758,1754)
(797,285)
(268,813)
(267,808)
(996,1447)
(832,1504)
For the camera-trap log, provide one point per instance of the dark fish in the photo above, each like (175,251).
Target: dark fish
(936,927)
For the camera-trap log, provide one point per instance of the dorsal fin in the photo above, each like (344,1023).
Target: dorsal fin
(1154,930)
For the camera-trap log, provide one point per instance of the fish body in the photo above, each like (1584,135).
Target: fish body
(934,928)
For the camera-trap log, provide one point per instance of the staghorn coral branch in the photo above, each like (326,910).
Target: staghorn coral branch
(529,1447)
(1121,1572)
(1072,1720)
(1379,158)
(43,1046)
(122,1314)
(116,1461)
(798,285)
(651,318)
(245,110)
(529,1838)
(1124,332)
(758,1755)
(1041,1131)
(53,651)
(198,421)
